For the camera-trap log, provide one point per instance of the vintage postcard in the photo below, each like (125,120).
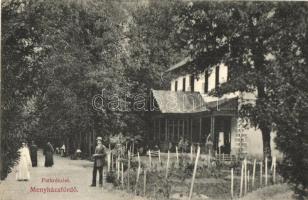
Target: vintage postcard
(154,99)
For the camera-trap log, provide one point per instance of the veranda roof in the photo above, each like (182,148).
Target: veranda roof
(190,102)
(179,101)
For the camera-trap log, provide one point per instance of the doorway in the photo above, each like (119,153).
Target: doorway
(222,134)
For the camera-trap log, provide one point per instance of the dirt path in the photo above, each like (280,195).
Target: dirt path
(79,173)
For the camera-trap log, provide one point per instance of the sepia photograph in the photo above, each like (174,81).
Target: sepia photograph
(154,100)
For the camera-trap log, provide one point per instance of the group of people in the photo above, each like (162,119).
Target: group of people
(28,158)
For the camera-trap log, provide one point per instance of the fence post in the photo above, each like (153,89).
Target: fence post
(253,173)
(194,174)
(248,175)
(245,175)
(241,185)
(122,175)
(118,169)
(191,153)
(108,161)
(261,173)
(144,181)
(232,183)
(150,159)
(265,171)
(177,154)
(138,174)
(128,170)
(167,165)
(139,167)
(209,159)
(274,170)
(111,155)
(159,157)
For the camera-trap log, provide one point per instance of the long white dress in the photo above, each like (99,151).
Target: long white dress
(24,164)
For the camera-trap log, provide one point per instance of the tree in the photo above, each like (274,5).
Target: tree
(238,35)
(85,57)
(265,47)
(150,50)
(21,73)
(56,55)
(290,94)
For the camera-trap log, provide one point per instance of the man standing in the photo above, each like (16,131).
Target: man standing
(33,154)
(99,161)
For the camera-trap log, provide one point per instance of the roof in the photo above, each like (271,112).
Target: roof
(223,104)
(179,102)
(180,64)
(190,102)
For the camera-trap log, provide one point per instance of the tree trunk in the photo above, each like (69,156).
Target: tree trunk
(258,52)
(266,137)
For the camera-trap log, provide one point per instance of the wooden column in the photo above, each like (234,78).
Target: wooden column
(158,129)
(191,129)
(213,129)
(200,131)
(154,131)
(183,134)
(173,123)
(166,129)
(178,129)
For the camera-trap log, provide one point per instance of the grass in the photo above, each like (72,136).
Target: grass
(213,182)
(273,192)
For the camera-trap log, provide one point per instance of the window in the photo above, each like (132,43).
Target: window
(176,86)
(206,81)
(192,83)
(217,76)
(184,84)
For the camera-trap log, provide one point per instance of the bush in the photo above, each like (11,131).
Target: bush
(292,140)
(111,177)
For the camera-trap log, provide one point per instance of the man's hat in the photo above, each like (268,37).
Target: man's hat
(99,138)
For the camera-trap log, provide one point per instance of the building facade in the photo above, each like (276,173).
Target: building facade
(188,111)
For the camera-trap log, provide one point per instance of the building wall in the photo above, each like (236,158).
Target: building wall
(180,83)
(253,137)
(199,80)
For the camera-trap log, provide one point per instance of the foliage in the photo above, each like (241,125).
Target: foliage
(56,55)
(290,97)
(111,178)
(21,69)
(59,54)
(231,33)
(264,44)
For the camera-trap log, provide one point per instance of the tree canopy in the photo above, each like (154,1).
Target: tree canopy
(264,45)
(57,55)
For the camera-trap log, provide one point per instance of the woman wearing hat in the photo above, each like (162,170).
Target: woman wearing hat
(22,170)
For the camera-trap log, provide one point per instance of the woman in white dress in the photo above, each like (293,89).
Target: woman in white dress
(23,173)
